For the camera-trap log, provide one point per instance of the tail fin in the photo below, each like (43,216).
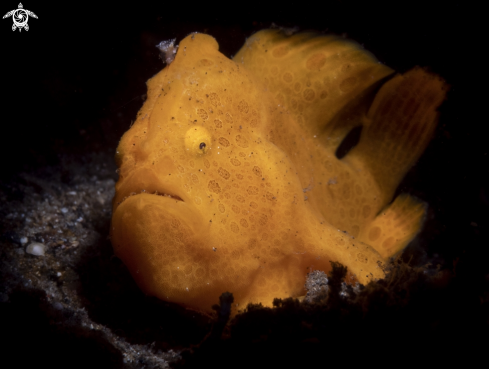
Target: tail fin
(392,230)
(398,127)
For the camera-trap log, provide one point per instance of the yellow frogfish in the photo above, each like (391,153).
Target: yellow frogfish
(230,179)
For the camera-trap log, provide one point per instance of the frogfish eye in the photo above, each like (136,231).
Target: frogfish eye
(197,140)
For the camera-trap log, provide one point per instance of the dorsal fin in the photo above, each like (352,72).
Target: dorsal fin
(316,78)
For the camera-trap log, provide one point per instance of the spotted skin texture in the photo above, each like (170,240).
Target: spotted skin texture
(229,181)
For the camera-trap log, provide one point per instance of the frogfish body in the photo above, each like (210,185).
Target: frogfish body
(229,178)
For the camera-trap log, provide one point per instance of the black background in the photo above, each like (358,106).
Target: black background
(74,80)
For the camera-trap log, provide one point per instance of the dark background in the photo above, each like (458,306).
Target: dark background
(74,82)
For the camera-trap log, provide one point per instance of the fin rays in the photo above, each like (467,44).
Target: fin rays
(395,226)
(403,118)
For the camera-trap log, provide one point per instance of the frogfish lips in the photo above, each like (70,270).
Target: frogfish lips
(143,252)
(145,181)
